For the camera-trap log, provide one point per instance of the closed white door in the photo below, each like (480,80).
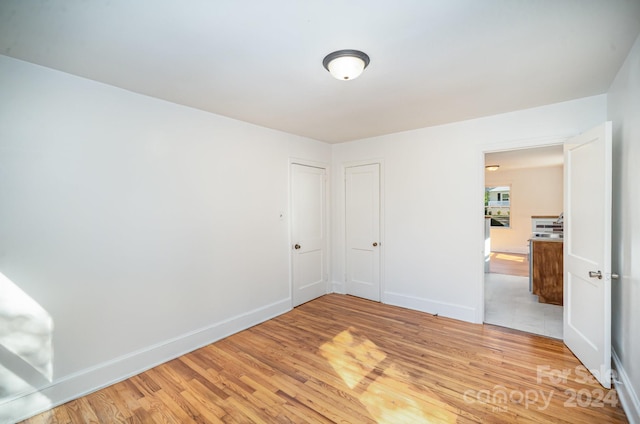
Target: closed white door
(308,233)
(363,231)
(587,244)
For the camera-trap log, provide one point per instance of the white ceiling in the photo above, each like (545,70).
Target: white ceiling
(432,61)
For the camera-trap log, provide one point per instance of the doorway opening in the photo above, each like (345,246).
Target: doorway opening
(528,184)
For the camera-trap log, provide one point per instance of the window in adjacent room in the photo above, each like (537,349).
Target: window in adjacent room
(497,205)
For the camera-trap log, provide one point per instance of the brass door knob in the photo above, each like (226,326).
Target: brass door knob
(375,244)
(297,246)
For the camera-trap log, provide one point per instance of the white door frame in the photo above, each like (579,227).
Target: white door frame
(327,220)
(343,231)
(493,148)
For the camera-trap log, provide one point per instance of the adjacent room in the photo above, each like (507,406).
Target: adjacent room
(249,211)
(524,202)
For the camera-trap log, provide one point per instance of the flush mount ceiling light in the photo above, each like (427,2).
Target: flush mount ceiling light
(346,64)
(492,167)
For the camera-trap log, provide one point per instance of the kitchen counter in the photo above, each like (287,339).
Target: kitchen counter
(546,239)
(547,271)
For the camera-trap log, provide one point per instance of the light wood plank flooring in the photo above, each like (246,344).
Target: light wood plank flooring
(509,263)
(343,359)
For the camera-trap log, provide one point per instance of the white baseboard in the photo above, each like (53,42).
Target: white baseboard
(337,287)
(449,310)
(626,393)
(89,380)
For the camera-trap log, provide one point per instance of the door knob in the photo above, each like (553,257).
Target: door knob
(375,244)
(297,246)
(595,274)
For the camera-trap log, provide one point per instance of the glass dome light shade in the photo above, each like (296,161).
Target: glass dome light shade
(346,67)
(346,64)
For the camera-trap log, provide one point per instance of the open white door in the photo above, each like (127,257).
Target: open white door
(308,231)
(587,250)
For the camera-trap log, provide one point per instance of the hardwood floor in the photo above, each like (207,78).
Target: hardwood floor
(509,263)
(344,359)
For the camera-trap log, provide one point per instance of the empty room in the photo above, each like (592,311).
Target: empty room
(284,211)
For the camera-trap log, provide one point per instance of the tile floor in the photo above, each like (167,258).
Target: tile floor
(508,303)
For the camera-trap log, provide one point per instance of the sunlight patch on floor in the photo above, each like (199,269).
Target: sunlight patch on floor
(387,404)
(358,361)
(352,356)
(507,257)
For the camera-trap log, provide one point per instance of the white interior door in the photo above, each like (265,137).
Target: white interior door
(308,232)
(587,250)
(362,188)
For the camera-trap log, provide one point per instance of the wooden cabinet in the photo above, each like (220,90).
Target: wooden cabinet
(547,271)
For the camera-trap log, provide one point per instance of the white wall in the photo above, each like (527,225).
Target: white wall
(143,228)
(624,111)
(534,191)
(433,201)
